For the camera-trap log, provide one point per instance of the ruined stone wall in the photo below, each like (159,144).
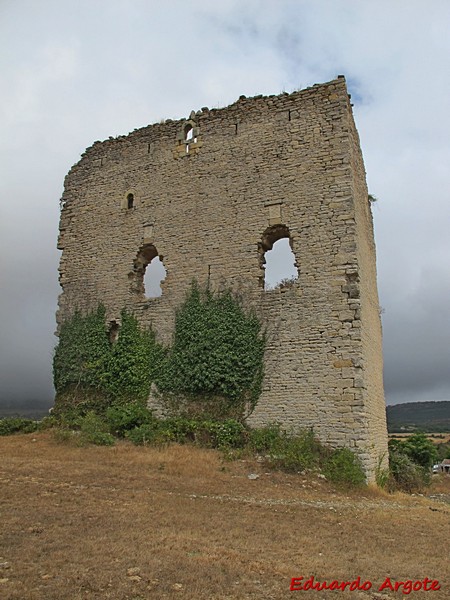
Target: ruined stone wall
(371,364)
(212,193)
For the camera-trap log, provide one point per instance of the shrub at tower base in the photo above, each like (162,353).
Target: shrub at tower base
(214,365)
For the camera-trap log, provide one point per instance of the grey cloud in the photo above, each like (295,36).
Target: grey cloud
(72,73)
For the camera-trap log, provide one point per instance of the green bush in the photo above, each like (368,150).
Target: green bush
(10,425)
(124,417)
(443,451)
(410,462)
(265,439)
(100,438)
(214,434)
(48,422)
(211,434)
(179,429)
(296,452)
(94,430)
(303,451)
(226,434)
(420,449)
(287,451)
(145,434)
(344,467)
(406,475)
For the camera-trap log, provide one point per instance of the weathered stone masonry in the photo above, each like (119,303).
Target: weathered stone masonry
(212,193)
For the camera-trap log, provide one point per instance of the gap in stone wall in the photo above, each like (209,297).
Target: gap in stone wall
(113,332)
(155,273)
(280,267)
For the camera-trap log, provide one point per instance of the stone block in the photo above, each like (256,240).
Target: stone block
(341,363)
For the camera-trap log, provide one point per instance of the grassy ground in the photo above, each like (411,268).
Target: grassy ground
(136,523)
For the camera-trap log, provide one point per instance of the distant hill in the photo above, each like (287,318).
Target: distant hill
(31,409)
(427,416)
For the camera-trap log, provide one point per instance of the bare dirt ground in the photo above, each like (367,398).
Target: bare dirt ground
(141,523)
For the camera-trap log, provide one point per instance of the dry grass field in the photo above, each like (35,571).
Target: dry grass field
(436,438)
(141,523)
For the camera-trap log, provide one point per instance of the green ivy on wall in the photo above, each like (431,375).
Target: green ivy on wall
(218,350)
(133,362)
(217,355)
(89,369)
(82,351)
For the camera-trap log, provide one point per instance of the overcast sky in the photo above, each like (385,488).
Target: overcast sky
(75,72)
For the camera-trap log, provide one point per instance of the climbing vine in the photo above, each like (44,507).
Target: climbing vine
(218,350)
(133,362)
(82,351)
(90,370)
(216,357)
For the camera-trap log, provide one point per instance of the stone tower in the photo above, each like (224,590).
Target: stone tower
(210,195)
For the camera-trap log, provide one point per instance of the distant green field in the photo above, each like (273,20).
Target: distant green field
(429,417)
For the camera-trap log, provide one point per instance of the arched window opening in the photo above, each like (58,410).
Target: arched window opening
(130,200)
(280,266)
(148,272)
(155,273)
(277,258)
